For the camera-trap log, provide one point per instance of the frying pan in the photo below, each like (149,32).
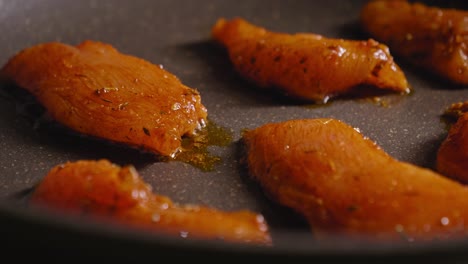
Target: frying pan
(176,34)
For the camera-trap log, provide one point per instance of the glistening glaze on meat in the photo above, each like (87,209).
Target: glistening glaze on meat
(432,38)
(96,90)
(344,184)
(105,191)
(307,66)
(452,156)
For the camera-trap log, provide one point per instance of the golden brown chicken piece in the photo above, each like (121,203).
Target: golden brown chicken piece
(118,194)
(307,66)
(432,38)
(452,156)
(96,90)
(344,184)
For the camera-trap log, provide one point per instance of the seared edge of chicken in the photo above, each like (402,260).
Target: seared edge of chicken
(433,38)
(95,90)
(452,156)
(307,66)
(346,185)
(103,190)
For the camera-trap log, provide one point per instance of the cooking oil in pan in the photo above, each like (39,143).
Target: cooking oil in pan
(195,149)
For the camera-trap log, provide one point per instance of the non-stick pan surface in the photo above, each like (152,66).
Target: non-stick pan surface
(176,34)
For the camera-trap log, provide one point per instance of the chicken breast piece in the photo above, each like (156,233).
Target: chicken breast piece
(96,90)
(452,156)
(105,191)
(344,184)
(307,66)
(432,38)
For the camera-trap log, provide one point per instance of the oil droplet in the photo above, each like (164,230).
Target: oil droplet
(195,149)
(444,221)
(337,49)
(156,217)
(324,103)
(139,194)
(105,90)
(260,219)
(175,106)
(380,55)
